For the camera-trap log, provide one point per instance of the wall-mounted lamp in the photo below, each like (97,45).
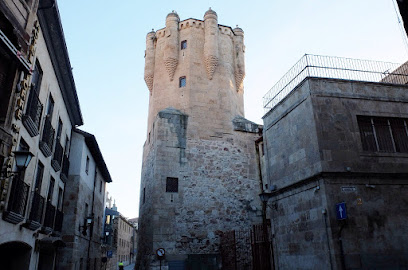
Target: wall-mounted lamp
(87,223)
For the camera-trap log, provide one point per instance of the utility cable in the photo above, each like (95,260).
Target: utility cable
(401,26)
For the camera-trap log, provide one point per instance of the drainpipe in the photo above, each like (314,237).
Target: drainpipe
(93,220)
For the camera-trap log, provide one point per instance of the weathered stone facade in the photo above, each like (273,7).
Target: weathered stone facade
(199,176)
(84,198)
(315,158)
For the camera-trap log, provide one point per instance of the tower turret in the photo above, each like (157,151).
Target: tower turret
(149,60)
(239,57)
(171,50)
(200,173)
(211,42)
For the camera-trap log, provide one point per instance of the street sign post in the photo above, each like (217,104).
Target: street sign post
(341,211)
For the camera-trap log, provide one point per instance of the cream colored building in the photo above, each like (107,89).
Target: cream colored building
(42,110)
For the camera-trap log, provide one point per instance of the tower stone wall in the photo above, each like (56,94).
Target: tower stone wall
(200,174)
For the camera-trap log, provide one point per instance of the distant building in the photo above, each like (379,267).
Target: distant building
(200,176)
(84,204)
(336,146)
(38,109)
(119,238)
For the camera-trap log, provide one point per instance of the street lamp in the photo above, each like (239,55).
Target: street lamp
(22,159)
(87,223)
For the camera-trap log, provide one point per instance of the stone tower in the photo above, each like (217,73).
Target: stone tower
(200,175)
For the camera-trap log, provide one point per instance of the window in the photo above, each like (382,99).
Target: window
(184,44)
(38,177)
(59,130)
(182,82)
(144,195)
(100,186)
(60,198)
(51,190)
(66,146)
(382,134)
(171,184)
(23,146)
(87,165)
(86,212)
(50,107)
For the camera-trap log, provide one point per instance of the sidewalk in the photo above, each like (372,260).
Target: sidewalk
(130,266)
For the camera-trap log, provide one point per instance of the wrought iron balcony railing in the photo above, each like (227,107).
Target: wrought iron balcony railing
(47,138)
(49,216)
(37,210)
(334,68)
(17,201)
(65,168)
(59,218)
(56,161)
(32,116)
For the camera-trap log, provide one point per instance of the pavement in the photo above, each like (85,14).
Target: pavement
(130,267)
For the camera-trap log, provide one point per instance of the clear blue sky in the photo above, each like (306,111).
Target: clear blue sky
(106,43)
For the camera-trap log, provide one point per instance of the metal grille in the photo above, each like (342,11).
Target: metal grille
(337,68)
(34,108)
(58,153)
(18,196)
(383,134)
(171,184)
(247,249)
(48,133)
(49,215)
(37,207)
(59,217)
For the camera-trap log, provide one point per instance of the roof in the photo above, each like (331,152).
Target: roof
(51,27)
(93,147)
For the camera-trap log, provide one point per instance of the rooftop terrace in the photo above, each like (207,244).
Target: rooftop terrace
(335,68)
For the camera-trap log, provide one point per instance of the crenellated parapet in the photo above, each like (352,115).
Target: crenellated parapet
(213,38)
(149,60)
(171,49)
(239,57)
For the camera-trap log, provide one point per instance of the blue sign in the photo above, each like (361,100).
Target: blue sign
(109,253)
(341,211)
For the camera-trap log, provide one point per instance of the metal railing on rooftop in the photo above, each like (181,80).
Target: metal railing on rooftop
(336,68)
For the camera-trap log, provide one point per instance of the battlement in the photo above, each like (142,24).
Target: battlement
(199,55)
(196,23)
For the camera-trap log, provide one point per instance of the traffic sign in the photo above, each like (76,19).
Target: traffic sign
(341,211)
(109,253)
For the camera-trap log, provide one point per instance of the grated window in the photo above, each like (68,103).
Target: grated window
(171,184)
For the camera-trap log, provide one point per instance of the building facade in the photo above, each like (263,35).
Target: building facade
(39,108)
(336,156)
(199,173)
(119,238)
(84,204)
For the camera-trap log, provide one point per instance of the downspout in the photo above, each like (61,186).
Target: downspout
(93,221)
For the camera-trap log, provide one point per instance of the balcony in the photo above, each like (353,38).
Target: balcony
(65,168)
(32,117)
(49,217)
(56,161)
(17,201)
(59,218)
(47,138)
(335,68)
(36,213)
